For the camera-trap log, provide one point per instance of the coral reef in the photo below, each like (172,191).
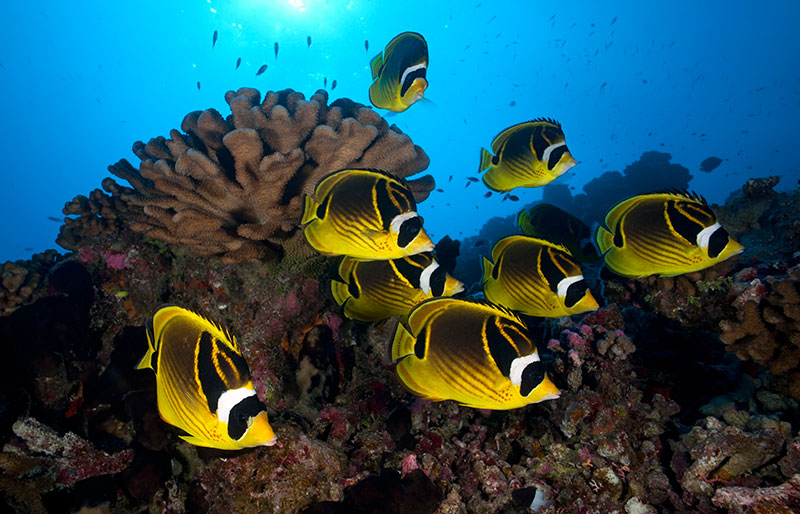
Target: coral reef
(233,187)
(22,282)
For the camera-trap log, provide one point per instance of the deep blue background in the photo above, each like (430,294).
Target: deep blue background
(81,81)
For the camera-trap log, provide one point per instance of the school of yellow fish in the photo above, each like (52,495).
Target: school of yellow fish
(476,352)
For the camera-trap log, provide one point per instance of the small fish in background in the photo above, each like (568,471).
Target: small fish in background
(439,190)
(366,45)
(324,81)
(710,164)
(513,198)
(377,290)
(364,213)
(238,63)
(276,50)
(487,194)
(214,39)
(472,179)
(198,85)
(665,234)
(53,218)
(535,277)
(203,383)
(333,85)
(548,222)
(528,154)
(261,70)
(512,104)
(478,354)
(399,73)
(308,42)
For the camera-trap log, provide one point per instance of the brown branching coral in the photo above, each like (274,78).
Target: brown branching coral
(233,187)
(23,282)
(768,330)
(97,215)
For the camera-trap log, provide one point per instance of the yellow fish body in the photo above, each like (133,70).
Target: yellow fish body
(548,222)
(366,214)
(667,234)
(376,290)
(477,354)
(203,384)
(535,277)
(399,73)
(529,154)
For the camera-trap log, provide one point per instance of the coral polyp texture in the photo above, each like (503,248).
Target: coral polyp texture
(232,187)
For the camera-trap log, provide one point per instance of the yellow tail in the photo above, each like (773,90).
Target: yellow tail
(604,239)
(340,291)
(524,222)
(310,210)
(403,343)
(488,266)
(486,160)
(147,360)
(375,65)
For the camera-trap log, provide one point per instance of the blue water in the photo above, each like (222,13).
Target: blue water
(81,81)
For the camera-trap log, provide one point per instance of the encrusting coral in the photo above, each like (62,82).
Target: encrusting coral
(233,187)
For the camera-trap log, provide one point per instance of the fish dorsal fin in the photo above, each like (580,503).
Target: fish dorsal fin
(683,193)
(543,119)
(376,65)
(326,183)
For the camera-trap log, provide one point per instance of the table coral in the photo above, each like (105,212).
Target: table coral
(233,186)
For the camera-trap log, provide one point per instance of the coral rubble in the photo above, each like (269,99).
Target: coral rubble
(233,187)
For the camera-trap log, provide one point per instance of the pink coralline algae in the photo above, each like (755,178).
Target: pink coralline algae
(74,458)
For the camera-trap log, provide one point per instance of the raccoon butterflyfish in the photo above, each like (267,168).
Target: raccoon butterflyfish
(203,384)
(665,233)
(550,223)
(399,73)
(366,214)
(535,277)
(376,290)
(529,154)
(475,353)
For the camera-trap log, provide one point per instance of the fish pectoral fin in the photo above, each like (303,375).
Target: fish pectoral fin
(376,64)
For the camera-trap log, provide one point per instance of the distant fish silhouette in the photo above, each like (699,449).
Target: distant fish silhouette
(276,50)
(238,62)
(53,218)
(333,85)
(472,179)
(450,179)
(324,81)
(512,104)
(308,40)
(440,190)
(613,21)
(366,45)
(198,85)
(488,194)
(214,39)
(710,164)
(261,70)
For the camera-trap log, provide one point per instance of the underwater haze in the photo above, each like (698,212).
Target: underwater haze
(81,81)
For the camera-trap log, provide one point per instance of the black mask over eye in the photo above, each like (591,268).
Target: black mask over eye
(241,413)
(575,292)
(717,242)
(532,376)
(408,231)
(438,278)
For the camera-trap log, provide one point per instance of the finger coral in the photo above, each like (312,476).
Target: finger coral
(768,327)
(233,186)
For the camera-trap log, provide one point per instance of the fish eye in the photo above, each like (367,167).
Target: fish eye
(532,376)
(409,229)
(717,242)
(438,278)
(575,292)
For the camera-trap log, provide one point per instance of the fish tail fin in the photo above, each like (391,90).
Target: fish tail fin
(403,343)
(524,221)
(486,160)
(340,292)
(488,267)
(603,239)
(147,361)
(375,65)
(309,211)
